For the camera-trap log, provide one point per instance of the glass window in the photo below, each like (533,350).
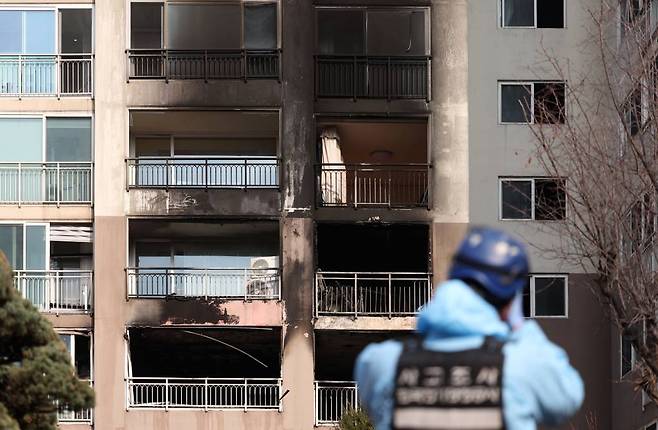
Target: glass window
(260,26)
(35,247)
(215,26)
(341,32)
(515,102)
(519,13)
(76,31)
(22,139)
(516,199)
(68,139)
(11,30)
(626,354)
(550,296)
(396,32)
(153,254)
(11,244)
(146,25)
(82,357)
(39,32)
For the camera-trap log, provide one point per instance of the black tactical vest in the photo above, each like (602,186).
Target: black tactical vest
(449,390)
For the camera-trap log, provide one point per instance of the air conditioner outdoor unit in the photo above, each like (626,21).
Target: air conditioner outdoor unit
(264,277)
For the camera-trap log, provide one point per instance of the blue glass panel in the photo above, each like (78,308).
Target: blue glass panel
(40,32)
(21,139)
(10,31)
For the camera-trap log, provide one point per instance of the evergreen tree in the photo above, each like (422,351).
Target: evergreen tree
(35,369)
(355,419)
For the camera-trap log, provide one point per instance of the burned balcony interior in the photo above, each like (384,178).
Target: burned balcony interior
(373,163)
(204,41)
(185,260)
(46,52)
(376,53)
(52,264)
(335,355)
(372,270)
(206,368)
(203,150)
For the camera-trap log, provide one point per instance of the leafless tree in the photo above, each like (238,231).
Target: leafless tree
(600,139)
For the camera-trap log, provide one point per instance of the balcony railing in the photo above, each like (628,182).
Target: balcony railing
(213,172)
(46,75)
(383,185)
(371,293)
(204,393)
(46,183)
(361,77)
(332,398)
(56,290)
(84,416)
(203,64)
(248,284)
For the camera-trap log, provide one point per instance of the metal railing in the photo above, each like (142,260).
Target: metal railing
(56,290)
(47,75)
(211,172)
(84,416)
(204,393)
(248,284)
(49,182)
(388,185)
(377,77)
(371,293)
(203,64)
(332,398)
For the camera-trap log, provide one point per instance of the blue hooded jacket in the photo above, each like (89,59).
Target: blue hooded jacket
(539,384)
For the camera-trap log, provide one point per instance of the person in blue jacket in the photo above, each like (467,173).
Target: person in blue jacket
(481,302)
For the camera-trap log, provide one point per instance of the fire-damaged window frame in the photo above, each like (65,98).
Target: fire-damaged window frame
(534,199)
(533,116)
(537,5)
(530,296)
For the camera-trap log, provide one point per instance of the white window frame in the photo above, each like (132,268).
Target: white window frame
(532,99)
(81,332)
(531,292)
(533,203)
(501,14)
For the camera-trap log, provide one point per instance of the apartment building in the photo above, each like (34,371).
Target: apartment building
(219,203)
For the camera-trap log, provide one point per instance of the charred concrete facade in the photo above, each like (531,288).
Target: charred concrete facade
(338,164)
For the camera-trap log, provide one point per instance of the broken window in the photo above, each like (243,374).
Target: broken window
(362,31)
(146,25)
(533,13)
(79,347)
(533,102)
(532,199)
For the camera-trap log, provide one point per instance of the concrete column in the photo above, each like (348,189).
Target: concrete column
(449,129)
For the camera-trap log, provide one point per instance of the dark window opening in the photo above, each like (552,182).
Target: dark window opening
(396,32)
(146,25)
(76,31)
(550,199)
(549,103)
(550,296)
(79,348)
(550,13)
(521,13)
(260,26)
(204,26)
(360,248)
(205,353)
(341,32)
(633,112)
(626,354)
(516,199)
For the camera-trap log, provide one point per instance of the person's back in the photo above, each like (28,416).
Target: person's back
(538,384)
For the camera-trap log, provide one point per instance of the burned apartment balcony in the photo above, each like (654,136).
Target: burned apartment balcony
(206,369)
(52,264)
(204,162)
(229,41)
(373,53)
(373,164)
(371,271)
(204,272)
(46,52)
(335,355)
